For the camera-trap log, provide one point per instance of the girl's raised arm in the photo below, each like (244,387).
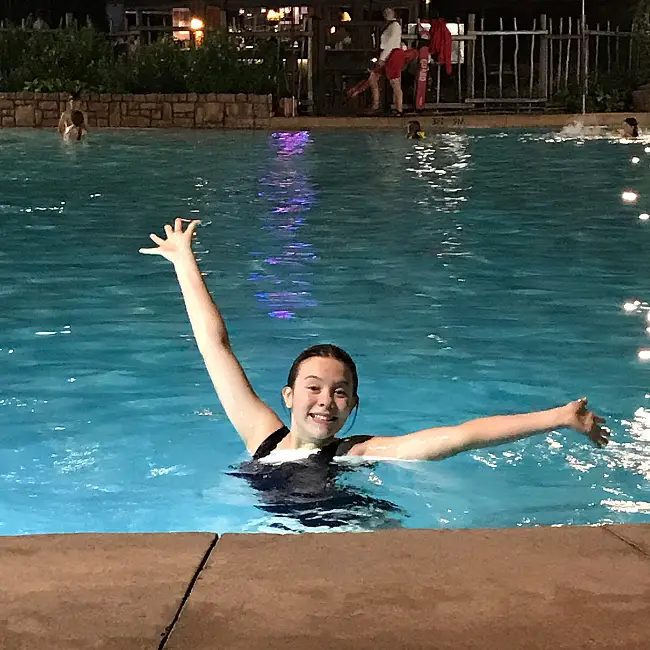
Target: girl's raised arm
(253,419)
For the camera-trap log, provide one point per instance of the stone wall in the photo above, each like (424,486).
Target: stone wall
(189,110)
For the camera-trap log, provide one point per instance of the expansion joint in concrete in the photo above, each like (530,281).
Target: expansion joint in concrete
(188,592)
(629,542)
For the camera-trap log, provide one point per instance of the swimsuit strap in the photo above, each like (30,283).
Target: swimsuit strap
(340,447)
(271,442)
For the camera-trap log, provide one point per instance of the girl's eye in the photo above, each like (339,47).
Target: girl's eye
(313,388)
(341,393)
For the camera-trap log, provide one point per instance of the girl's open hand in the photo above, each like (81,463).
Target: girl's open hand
(581,419)
(178,243)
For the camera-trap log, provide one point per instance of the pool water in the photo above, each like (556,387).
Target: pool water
(470,274)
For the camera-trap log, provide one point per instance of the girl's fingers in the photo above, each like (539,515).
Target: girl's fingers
(168,230)
(157,240)
(192,227)
(178,225)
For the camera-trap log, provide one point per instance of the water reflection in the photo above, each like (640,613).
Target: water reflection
(281,272)
(441,164)
(639,307)
(635,457)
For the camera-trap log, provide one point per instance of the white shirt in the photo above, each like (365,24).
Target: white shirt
(391,39)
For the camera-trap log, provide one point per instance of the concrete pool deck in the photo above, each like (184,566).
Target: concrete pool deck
(534,588)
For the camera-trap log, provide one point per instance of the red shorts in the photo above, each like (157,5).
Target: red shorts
(395,64)
(397,59)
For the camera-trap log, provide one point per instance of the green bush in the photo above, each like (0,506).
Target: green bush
(85,60)
(607,94)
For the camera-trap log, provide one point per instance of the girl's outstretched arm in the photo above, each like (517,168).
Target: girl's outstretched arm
(441,442)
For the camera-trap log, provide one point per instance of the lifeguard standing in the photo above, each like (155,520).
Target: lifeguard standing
(391,59)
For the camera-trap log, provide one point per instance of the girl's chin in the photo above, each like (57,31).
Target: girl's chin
(322,431)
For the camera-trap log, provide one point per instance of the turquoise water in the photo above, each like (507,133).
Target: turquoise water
(474,273)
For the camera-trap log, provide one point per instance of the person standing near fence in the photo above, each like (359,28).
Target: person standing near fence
(391,61)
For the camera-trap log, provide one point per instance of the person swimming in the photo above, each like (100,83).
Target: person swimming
(74,104)
(414,131)
(321,391)
(630,127)
(77,129)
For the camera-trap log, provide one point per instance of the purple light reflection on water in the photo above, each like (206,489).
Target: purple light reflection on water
(291,142)
(287,187)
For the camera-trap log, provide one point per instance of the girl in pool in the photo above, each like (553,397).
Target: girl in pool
(630,127)
(321,390)
(77,129)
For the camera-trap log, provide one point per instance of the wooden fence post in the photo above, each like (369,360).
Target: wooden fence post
(532,60)
(543,59)
(516,69)
(471,58)
(483,58)
(501,58)
(549,59)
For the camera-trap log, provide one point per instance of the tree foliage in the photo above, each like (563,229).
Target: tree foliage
(87,60)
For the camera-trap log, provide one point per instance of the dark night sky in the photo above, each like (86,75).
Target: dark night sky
(53,9)
(619,11)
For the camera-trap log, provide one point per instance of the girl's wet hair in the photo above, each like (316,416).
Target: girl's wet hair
(632,121)
(327,351)
(77,118)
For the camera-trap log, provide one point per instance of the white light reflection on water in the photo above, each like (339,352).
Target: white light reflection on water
(639,307)
(633,456)
(442,163)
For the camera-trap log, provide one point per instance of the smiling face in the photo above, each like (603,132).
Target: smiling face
(321,399)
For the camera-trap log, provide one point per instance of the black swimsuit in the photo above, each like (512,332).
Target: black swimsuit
(327,453)
(307,489)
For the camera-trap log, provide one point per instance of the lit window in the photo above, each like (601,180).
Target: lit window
(181,17)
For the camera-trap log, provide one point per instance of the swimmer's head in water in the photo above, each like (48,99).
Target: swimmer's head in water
(77,118)
(414,131)
(413,128)
(631,126)
(321,392)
